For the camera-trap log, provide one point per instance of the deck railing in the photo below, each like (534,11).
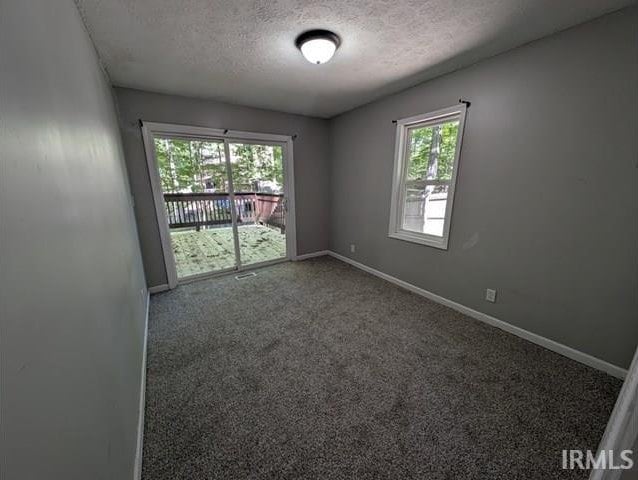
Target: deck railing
(197,210)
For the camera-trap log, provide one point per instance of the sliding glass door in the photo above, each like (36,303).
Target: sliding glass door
(223,201)
(258,182)
(196,195)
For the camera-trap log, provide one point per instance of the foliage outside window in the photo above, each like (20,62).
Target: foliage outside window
(426,163)
(196,166)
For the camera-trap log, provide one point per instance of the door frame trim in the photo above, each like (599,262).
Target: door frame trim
(151,129)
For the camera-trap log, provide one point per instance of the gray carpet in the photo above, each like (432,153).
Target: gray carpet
(318,370)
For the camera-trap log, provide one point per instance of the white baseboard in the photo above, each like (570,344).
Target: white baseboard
(564,350)
(137,469)
(158,288)
(306,256)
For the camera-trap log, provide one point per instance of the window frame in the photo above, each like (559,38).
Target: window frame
(401,161)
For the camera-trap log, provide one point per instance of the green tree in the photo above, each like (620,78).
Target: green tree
(256,163)
(190,165)
(197,166)
(431,151)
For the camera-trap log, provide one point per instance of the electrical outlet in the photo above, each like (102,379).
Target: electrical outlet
(490,295)
(352,248)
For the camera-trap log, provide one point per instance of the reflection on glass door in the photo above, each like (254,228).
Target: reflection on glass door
(195,187)
(258,183)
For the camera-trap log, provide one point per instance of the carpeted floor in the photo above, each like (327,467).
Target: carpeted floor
(316,370)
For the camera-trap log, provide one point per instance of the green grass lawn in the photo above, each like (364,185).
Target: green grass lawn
(212,249)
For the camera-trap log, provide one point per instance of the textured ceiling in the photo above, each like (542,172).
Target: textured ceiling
(243,51)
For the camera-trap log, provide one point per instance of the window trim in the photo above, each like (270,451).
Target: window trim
(398,180)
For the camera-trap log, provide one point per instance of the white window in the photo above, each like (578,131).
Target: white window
(425,166)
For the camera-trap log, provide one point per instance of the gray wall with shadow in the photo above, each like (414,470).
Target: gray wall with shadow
(310,162)
(546,206)
(72,287)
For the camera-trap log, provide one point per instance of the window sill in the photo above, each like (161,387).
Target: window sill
(437,242)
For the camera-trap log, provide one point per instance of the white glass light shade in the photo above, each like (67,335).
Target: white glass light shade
(318,50)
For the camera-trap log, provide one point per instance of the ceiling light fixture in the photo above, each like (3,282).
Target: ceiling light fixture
(318,46)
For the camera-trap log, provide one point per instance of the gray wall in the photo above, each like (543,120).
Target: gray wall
(310,159)
(546,206)
(72,289)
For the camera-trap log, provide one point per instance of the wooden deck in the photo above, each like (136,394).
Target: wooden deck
(200,210)
(212,249)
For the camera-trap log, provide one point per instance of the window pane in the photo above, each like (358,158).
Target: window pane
(257,168)
(191,166)
(431,151)
(424,209)
(195,186)
(258,180)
